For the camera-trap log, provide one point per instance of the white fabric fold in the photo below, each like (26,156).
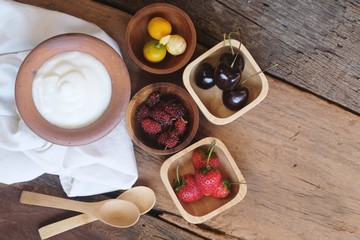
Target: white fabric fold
(103,166)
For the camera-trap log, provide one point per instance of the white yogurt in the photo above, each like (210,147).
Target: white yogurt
(72,89)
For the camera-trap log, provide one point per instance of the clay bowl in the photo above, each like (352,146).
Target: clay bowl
(120,89)
(137,35)
(210,100)
(208,207)
(175,92)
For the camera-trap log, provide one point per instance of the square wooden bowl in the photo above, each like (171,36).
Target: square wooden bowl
(210,101)
(208,207)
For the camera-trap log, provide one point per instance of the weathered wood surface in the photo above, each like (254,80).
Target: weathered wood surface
(298,153)
(316,43)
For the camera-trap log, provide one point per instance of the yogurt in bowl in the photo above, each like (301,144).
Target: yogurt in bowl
(71,89)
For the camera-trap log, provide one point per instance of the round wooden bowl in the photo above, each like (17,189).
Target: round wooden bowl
(137,35)
(134,128)
(120,95)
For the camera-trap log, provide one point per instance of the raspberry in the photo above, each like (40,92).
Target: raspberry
(172,141)
(175,110)
(180,126)
(150,126)
(162,138)
(161,117)
(142,112)
(153,99)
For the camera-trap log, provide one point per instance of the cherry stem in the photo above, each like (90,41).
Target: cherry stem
(271,67)
(238,52)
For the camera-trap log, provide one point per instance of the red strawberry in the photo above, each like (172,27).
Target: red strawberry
(223,189)
(180,126)
(186,189)
(200,157)
(207,179)
(150,126)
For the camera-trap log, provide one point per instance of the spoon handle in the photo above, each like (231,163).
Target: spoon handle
(65,225)
(43,200)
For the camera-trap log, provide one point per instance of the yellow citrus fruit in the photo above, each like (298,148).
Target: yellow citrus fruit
(154,51)
(159,27)
(175,44)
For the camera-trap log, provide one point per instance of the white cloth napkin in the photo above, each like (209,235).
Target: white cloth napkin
(106,165)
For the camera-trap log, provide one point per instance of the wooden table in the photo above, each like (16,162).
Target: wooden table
(300,153)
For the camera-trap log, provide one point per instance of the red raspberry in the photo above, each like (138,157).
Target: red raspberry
(172,141)
(162,138)
(142,112)
(150,126)
(161,117)
(153,99)
(180,126)
(175,110)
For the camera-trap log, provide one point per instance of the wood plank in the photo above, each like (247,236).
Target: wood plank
(315,43)
(298,153)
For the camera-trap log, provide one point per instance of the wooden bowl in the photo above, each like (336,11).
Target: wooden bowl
(210,100)
(137,35)
(208,207)
(115,111)
(135,130)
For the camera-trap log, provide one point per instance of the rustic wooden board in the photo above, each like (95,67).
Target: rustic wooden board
(316,43)
(298,153)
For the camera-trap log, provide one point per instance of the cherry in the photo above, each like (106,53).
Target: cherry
(236,98)
(204,76)
(229,58)
(226,76)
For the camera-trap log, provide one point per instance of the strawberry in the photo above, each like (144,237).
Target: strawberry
(150,126)
(207,179)
(200,157)
(223,189)
(186,189)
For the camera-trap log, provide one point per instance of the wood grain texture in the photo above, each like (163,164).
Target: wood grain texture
(316,43)
(298,153)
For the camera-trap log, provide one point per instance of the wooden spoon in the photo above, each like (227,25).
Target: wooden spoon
(143,197)
(115,212)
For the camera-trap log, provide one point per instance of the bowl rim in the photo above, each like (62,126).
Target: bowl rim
(211,117)
(143,146)
(120,95)
(164,177)
(190,46)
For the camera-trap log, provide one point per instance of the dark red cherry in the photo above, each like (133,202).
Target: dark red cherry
(229,58)
(235,99)
(204,76)
(226,77)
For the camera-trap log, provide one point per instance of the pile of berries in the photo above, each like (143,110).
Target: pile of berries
(207,180)
(162,118)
